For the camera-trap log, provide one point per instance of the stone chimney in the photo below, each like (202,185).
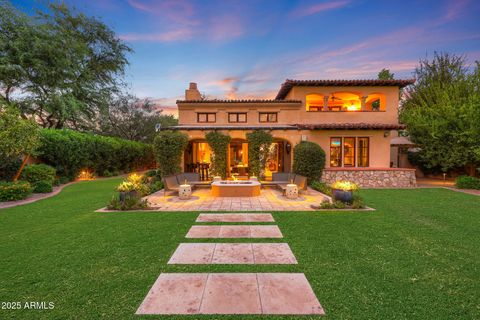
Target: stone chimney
(192,92)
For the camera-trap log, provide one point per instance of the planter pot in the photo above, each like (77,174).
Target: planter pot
(122,196)
(342,196)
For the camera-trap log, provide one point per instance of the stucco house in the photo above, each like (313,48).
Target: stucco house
(352,120)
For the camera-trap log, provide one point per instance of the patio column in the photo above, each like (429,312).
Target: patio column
(325,103)
(363,102)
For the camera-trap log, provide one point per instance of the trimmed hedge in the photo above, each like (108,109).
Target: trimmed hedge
(70,151)
(467,182)
(11,191)
(309,160)
(42,187)
(39,172)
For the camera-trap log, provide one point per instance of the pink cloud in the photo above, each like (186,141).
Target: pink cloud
(168,36)
(320,7)
(225,27)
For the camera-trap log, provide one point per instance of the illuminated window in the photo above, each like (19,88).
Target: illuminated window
(237,117)
(363,150)
(349,152)
(268,117)
(314,102)
(206,117)
(335,152)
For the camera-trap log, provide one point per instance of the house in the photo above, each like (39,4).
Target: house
(352,120)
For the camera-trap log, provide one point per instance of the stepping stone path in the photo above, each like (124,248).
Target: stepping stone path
(232,293)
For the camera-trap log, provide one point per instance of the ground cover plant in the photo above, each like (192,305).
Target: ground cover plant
(417,256)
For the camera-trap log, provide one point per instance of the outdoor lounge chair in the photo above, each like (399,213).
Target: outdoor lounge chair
(170,183)
(193,179)
(299,180)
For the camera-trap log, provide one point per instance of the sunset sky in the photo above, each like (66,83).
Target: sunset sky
(247,48)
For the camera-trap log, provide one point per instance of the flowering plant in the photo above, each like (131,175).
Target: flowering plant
(126,187)
(345,186)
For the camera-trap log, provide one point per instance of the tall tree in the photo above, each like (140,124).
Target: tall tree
(442,113)
(60,67)
(134,119)
(385,74)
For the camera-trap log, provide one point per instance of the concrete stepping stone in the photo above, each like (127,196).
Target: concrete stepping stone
(235,217)
(233,253)
(231,293)
(235,231)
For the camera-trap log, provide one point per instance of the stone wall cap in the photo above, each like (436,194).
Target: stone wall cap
(369,169)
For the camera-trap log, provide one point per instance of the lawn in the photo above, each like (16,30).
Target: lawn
(416,257)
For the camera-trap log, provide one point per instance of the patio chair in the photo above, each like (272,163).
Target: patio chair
(301,182)
(170,183)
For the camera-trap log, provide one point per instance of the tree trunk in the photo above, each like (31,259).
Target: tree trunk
(24,162)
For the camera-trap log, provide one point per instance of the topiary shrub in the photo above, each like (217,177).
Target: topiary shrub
(259,142)
(467,182)
(309,160)
(11,191)
(218,142)
(42,187)
(168,147)
(39,172)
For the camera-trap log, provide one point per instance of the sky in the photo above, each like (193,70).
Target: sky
(242,49)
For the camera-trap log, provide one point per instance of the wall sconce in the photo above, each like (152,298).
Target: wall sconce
(386,134)
(288,148)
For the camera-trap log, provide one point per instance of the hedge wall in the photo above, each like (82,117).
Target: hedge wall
(309,160)
(70,151)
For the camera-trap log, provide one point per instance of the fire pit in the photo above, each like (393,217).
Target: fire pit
(236,188)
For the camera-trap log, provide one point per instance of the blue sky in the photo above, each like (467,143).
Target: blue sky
(247,48)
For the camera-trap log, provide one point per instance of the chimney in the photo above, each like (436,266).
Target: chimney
(192,92)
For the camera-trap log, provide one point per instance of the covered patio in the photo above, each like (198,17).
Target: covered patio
(270,199)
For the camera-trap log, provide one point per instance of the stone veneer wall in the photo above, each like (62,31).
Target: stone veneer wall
(372,178)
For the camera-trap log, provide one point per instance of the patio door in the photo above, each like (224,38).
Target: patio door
(238,159)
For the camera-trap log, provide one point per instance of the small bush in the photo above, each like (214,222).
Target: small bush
(10,191)
(309,160)
(322,187)
(34,173)
(9,167)
(64,180)
(155,186)
(42,187)
(467,182)
(130,203)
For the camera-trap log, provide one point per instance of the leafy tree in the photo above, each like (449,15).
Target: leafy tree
(259,142)
(385,74)
(18,137)
(131,118)
(218,142)
(168,147)
(59,67)
(442,113)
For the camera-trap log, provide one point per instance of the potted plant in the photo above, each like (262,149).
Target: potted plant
(127,190)
(343,191)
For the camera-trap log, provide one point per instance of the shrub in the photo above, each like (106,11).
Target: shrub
(71,152)
(130,203)
(218,142)
(39,172)
(42,187)
(168,147)
(322,187)
(63,180)
(10,191)
(308,160)
(467,182)
(259,142)
(9,167)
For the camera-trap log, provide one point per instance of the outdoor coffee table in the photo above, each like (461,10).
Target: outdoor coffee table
(185,191)
(291,192)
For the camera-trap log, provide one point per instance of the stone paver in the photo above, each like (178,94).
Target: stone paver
(287,293)
(233,253)
(231,293)
(235,231)
(175,293)
(270,199)
(235,217)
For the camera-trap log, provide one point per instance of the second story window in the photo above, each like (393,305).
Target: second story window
(237,117)
(267,117)
(206,117)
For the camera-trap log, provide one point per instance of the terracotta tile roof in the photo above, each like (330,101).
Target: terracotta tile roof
(239,101)
(351,126)
(325,126)
(289,84)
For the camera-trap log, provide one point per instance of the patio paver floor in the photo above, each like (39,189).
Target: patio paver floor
(233,253)
(231,293)
(235,231)
(235,217)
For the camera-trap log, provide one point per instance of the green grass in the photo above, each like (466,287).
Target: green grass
(416,257)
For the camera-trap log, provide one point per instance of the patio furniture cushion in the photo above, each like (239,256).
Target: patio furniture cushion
(192,176)
(301,182)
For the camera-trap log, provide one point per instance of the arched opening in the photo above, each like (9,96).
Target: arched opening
(314,102)
(376,102)
(279,157)
(344,101)
(237,160)
(197,158)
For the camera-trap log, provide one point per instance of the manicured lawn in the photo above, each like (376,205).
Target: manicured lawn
(416,257)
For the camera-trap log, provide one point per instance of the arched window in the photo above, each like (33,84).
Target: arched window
(314,102)
(344,101)
(375,102)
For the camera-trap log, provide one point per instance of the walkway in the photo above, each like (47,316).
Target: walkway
(232,293)
(269,199)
